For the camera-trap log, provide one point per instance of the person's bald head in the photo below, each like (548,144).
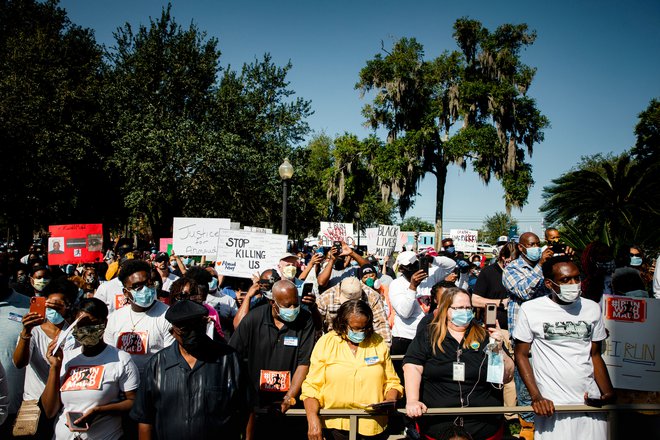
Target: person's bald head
(285,293)
(529,239)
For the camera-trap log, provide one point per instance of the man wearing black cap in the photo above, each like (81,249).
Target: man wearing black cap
(193,388)
(161,265)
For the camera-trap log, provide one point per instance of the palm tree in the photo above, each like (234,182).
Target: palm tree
(611,198)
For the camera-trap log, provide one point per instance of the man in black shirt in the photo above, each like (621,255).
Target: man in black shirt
(277,340)
(193,388)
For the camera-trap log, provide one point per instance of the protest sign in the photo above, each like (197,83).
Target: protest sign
(197,236)
(242,253)
(631,350)
(465,240)
(257,229)
(165,245)
(331,231)
(387,239)
(73,244)
(235,226)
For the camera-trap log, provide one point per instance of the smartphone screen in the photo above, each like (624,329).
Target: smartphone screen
(72,417)
(491,315)
(424,264)
(38,305)
(307,289)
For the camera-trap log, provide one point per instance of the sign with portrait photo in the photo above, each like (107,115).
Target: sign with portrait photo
(74,244)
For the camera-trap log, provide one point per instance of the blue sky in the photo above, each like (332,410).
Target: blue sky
(598,67)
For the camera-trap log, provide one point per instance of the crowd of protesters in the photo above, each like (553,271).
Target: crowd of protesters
(147,344)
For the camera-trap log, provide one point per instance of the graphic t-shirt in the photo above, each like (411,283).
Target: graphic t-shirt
(112,294)
(87,382)
(561,338)
(139,334)
(36,372)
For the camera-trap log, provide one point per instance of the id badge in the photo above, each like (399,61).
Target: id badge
(459,371)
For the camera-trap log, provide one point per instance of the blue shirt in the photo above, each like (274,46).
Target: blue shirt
(12,310)
(522,282)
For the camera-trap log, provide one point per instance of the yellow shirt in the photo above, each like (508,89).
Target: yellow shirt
(340,380)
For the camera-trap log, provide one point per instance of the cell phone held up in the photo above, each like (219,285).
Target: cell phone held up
(337,245)
(38,305)
(424,263)
(558,248)
(72,417)
(491,315)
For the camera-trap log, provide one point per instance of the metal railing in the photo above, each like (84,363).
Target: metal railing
(355,414)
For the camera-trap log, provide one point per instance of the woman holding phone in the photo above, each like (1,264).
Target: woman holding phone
(90,386)
(41,326)
(350,368)
(447,363)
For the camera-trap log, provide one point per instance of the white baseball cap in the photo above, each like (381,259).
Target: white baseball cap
(406,258)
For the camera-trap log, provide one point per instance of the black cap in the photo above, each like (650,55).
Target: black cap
(366,269)
(185,310)
(162,256)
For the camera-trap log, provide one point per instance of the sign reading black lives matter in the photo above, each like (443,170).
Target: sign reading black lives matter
(243,253)
(387,237)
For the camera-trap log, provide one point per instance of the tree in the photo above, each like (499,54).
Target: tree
(188,144)
(613,199)
(51,129)
(465,106)
(647,130)
(416,224)
(497,225)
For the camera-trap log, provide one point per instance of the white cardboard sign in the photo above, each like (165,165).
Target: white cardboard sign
(465,240)
(197,236)
(331,231)
(242,253)
(632,349)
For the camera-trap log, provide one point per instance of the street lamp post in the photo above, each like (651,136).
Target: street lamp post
(286,172)
(357,220)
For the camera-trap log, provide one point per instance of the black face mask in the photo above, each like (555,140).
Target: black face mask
(193,338)
(339,264)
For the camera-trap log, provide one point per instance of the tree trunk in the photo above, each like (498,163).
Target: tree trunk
(441,179)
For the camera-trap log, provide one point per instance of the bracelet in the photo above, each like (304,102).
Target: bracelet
(25,338)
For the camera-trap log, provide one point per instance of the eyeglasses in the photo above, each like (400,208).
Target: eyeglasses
(461,308)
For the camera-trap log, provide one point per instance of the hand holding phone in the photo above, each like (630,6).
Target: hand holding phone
(71,417)
(38,305)
(491,315)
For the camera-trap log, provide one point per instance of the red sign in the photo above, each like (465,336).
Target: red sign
(619,308)
(73,244)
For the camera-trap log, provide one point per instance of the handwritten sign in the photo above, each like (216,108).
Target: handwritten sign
(73,244)
(331,231)
(384,240)
(242,253)
(631,351)
(257,229)
(197,236)
(465,240)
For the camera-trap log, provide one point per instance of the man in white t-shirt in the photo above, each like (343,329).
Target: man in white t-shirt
(112,294)
(139,329)
(564,333)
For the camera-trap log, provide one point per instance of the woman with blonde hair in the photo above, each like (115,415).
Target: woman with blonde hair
(447,365)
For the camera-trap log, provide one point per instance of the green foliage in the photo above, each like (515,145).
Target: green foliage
(647,130)
(50,123)
(614,199)
(496,225)
(467,106)
(416,224)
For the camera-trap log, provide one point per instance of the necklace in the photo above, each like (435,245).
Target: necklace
(135,323)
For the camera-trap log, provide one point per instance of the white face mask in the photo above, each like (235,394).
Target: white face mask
(568,293)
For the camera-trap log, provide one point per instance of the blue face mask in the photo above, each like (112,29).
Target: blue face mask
(533,253)
(144,297)
(356,337)
(54,316)
(288,315)
(451,249)
(461,317)
(213,285)
(636,261)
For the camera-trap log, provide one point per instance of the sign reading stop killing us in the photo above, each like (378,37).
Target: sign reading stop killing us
(197,236)
(243,253)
